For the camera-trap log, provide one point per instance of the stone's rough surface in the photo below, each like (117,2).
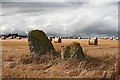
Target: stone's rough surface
(74,50)
(39,43)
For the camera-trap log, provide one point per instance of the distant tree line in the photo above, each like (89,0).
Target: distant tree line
(15,35)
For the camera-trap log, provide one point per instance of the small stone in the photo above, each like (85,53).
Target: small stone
(74,50)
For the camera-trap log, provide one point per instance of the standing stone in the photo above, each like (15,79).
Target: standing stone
(39,43)
(74,50)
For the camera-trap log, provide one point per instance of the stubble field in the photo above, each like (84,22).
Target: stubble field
(100,62)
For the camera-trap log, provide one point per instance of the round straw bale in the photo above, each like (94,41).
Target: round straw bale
(79,37)
(14,36)
(93,41)
(105,37)
(18,37)
(50,38)
(111,38)
(3,37)
(74,38)
(117,38)
(11,37)
(95,38)
(57,40)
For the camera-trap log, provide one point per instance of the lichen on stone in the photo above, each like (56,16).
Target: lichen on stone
(73,50)
(39,42)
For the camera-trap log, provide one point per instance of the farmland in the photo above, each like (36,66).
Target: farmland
(100,62)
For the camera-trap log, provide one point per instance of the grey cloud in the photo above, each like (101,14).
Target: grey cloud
(32,0)
(32,4)
(31,7)
(64,19)
(60,0)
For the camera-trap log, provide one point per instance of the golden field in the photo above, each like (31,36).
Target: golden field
(100,62)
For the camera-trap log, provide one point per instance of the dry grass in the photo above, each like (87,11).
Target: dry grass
(8,58)
(100,61)
(39,59)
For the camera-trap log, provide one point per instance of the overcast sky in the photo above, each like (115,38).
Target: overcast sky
(90,18)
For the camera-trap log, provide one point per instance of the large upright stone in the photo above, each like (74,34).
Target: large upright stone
(74,50)
(39,43)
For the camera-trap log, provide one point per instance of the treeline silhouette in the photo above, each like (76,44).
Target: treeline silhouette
(16,35)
